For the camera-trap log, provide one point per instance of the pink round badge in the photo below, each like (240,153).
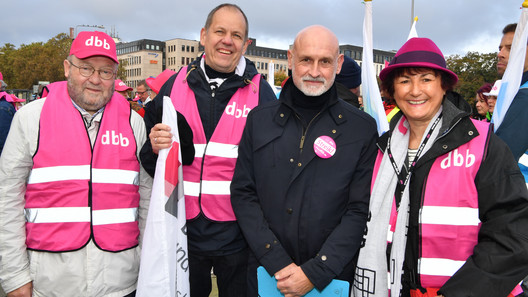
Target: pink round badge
(324,147)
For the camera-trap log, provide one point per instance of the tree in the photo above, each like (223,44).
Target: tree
(24,67)
(473,70)
(280,76)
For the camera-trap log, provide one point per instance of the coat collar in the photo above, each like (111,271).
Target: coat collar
(287,108)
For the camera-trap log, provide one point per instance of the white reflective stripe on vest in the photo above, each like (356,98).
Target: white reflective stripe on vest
(199,150)
(444,215)
(216,149)
(191,189)
(208,187)
(222,150)
(115,176)
(59,173)
(80,214)
(58,215)
(216,187)
(440,267)
(114,216)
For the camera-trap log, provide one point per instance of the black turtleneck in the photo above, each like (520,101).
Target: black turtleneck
(211,73)
(307,107)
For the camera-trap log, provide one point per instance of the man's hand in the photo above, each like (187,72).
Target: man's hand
(24,291)
(160,137)
(292,282)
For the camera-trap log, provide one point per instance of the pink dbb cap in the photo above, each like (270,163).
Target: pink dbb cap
(120,86)
(155,84)
(94,43)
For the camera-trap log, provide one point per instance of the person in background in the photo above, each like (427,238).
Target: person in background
(213,95)
(122,89)
(73,195)
(481,103)
(348,82)
(449,206)
(7,112)
(144,92)
(492,98)
(511,129)
(301,186)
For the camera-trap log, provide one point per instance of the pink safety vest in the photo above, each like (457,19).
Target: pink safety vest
(75,193)
(207,181)
(450,213)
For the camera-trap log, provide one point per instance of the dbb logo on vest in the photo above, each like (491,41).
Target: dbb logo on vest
(97,42)
(114,139)
(236,112)
(458,159)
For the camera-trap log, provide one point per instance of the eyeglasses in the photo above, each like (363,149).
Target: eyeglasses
(87,71)
(141,93)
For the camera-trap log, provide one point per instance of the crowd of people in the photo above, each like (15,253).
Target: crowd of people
(303,186)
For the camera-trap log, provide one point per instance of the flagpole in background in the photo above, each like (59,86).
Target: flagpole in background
(371,94)
(511,80)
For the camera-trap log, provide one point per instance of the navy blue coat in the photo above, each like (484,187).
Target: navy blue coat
(294,206)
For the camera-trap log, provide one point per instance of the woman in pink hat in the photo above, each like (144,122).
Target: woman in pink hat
(449,206)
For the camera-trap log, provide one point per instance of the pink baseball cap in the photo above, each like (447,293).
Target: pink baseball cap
(120,86)
(156,83)
(94,43)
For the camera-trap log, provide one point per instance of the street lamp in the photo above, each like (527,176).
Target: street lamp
(86,26)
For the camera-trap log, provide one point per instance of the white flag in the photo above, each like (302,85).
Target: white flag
(164,268)
(413,33)
(511,80)
(371,94)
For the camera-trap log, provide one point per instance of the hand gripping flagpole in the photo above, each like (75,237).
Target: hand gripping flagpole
(511,80)
(371,94)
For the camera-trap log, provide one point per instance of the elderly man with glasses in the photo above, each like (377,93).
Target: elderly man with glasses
(73,195)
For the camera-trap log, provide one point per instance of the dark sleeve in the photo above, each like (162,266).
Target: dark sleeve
(7,111)
(266,93)
(500,259)
(344,241)
(513,127)
(153,115)
(248,211)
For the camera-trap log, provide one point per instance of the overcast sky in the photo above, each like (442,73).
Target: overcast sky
(457,26)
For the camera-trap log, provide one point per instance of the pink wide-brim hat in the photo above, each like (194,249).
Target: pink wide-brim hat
(156,83)
(418,53)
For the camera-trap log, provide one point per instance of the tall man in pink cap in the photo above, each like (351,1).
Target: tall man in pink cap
(73,196)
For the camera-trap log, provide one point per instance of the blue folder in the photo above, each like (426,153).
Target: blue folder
(267,287)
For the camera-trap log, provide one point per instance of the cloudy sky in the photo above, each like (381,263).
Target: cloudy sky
(457,26)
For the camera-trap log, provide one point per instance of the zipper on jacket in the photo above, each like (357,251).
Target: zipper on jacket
(305,130)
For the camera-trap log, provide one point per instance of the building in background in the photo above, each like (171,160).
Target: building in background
(147,58)
(142,59)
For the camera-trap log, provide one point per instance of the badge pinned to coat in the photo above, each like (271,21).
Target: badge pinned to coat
(324,147)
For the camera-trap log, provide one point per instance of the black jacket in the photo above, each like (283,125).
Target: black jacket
(205,237)
(294,206)
(500,259)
